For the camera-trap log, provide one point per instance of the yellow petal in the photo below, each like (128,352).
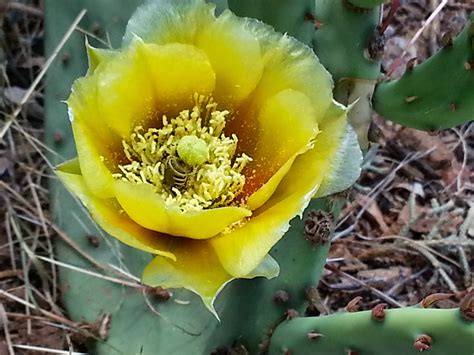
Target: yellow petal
(235,55)
(95,142)
(243,248)
(124,91)
(96,56)
(177,71)
(345,165)
(110,216)
(149,210)
(287,126)
(259,197)
(198,269)
(289,64)
(169,21)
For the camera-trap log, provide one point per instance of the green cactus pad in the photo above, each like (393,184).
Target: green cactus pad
(437,94)
(292,17)
(359,333)
(342,40)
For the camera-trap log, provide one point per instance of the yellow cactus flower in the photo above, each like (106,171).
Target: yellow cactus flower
(201,139)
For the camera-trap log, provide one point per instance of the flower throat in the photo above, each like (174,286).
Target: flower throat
(190,161)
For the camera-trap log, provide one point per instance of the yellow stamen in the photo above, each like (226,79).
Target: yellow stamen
(190,161)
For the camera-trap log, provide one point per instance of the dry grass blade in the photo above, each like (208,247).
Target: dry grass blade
(91,273)
(4,320)
(12,5)
(40,76)
(417,35)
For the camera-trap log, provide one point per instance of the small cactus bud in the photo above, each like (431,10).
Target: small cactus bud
(291,314)
(58,137)
(378,312)
(423,342)
(66,57)
(281,297)
(160,293)
(310,17)
(93,240)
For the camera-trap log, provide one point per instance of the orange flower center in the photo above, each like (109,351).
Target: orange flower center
(190,161)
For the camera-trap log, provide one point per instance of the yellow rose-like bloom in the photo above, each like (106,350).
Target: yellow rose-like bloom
(201,139)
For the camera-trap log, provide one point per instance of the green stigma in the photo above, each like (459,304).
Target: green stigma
(192,150)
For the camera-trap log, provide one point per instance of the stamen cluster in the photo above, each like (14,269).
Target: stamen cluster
(153,157)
